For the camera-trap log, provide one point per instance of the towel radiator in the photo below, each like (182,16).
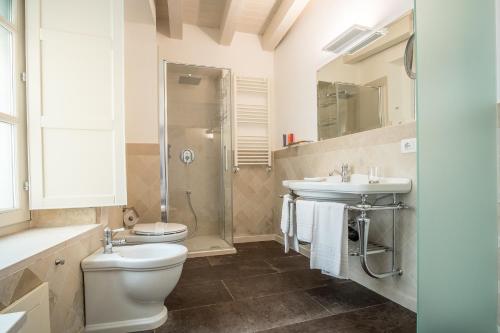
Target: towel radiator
(251,121)
(366,248)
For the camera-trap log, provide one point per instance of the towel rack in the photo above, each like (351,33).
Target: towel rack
(251,122)
(366,248)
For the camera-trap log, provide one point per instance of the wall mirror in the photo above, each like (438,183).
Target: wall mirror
(366,86)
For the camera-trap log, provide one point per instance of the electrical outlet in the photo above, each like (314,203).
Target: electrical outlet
(409,146)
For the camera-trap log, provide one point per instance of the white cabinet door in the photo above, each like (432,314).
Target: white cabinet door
(74,51)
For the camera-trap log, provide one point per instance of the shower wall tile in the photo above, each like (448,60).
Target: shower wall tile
(192,111)
(380,147)
(253,197)
(143,180)
(201,178)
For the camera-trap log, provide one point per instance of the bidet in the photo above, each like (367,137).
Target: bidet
(125,290)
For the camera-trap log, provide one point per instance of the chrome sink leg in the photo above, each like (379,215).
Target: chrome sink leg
(394,197)
(363,228)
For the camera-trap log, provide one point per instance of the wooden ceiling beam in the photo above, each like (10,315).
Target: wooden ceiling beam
(281,22)
(175,18)
(232,11)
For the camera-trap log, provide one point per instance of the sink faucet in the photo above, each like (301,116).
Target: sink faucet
(344,173)
(108,239)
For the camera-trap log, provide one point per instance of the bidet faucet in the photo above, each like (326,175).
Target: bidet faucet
(344,173)
(108,239)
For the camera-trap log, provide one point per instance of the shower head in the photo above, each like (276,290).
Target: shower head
(189,79)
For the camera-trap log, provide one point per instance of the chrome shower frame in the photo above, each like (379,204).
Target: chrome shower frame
(162,105)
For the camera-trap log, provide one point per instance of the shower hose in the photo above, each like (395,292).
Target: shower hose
(188,195)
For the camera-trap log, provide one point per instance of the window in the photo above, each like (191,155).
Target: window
(13,166)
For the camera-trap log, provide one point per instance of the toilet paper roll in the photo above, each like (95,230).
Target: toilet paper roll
(130,217)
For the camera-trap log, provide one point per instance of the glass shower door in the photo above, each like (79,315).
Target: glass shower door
(227,154)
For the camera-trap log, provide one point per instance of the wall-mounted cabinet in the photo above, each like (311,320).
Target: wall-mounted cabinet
(75,81)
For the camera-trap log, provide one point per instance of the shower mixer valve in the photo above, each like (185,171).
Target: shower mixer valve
(187,156)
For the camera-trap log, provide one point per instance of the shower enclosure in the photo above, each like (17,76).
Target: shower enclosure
(195,140)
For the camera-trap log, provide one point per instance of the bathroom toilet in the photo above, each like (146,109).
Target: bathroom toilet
(125,290)
(158,232)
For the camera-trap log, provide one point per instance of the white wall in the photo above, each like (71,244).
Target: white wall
(199,47)
(299,56)
(141,63)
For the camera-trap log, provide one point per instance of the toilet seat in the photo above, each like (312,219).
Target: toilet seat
(158,228)
(158,232)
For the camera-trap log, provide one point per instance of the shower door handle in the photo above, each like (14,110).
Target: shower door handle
(226,167)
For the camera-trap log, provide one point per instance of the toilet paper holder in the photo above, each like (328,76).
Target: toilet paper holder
(130,216)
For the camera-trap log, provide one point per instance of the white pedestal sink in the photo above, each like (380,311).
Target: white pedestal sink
(333,187)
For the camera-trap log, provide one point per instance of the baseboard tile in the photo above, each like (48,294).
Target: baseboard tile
(210,253)
(254,238)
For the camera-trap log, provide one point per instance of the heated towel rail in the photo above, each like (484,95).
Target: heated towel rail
(251,122)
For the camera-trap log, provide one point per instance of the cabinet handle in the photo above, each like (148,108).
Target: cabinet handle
(60,261)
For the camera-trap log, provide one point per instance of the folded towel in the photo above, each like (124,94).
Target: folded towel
(329,247)
(292,234)
(305,218)
(287,223)
(285,214)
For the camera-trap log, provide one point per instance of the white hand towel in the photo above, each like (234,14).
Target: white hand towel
(292,234)
(305,218)
(329,247)
(285,219)
(287,223)
(285,213)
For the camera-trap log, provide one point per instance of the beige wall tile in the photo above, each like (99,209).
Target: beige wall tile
(253,196)
(143,181)
(63,217)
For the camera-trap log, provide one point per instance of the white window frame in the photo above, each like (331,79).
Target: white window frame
(21,212)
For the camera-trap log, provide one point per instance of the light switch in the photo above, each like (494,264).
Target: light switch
(409,145)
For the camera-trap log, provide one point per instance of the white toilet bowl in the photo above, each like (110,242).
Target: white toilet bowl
(158,232)
(125,291)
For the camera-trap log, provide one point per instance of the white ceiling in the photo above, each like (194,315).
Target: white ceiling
(248,16)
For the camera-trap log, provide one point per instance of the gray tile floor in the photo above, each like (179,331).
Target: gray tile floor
(261,289)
